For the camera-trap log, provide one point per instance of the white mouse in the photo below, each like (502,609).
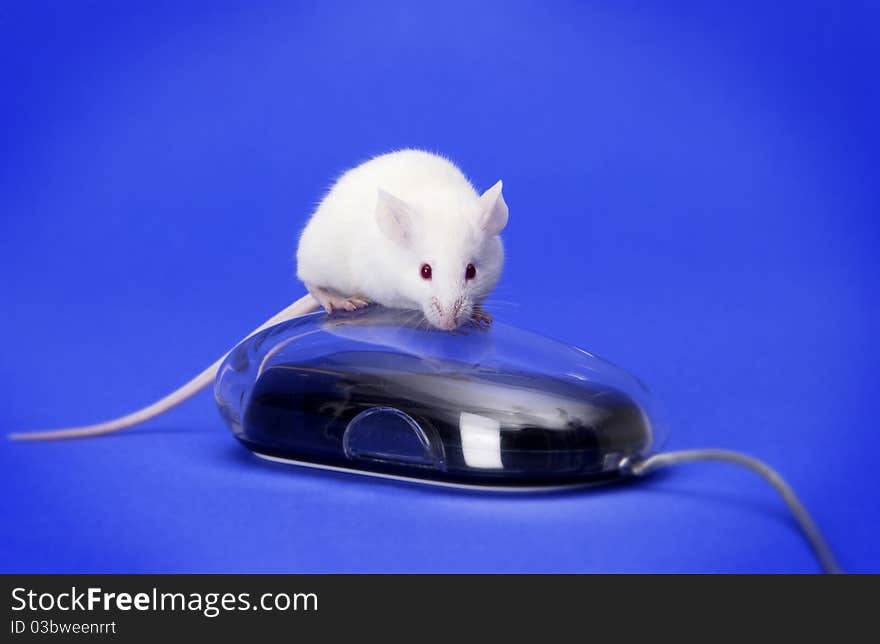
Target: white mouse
(403,230)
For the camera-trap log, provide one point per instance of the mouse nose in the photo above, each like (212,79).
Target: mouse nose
(447,316)
(454,313)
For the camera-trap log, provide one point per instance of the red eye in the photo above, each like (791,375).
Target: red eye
(470,272)
(426,271)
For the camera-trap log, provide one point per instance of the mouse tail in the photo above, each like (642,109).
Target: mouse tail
(302,306)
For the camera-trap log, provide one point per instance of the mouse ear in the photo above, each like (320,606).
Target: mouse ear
(394,218)
(493,215)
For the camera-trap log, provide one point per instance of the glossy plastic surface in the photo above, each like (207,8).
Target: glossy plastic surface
(379,392)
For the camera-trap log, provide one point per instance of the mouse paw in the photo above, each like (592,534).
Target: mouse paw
(332,302)
(353,303)
(481,317)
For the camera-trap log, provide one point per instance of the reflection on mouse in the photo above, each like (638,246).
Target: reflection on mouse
(404,230)
(375,392)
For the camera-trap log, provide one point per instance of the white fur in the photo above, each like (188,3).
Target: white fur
(384,219)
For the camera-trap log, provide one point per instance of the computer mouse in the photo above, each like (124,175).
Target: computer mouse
(379,392)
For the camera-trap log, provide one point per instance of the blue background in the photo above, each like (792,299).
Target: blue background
(693,194)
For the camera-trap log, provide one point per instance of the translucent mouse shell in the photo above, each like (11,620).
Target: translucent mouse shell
(379,392)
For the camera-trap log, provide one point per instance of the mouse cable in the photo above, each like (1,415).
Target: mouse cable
(805,522)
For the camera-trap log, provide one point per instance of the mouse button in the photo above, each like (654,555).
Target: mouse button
(388,435)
